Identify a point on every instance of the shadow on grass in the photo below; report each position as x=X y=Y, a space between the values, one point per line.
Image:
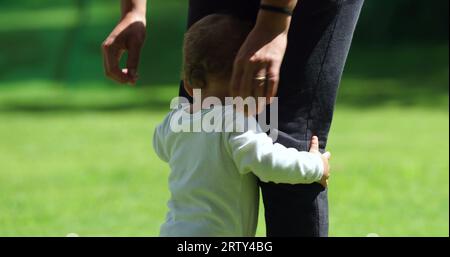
x=47 y=97
x=37 y=108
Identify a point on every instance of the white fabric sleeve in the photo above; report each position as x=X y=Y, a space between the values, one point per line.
x=255 y=152
x=159 y=145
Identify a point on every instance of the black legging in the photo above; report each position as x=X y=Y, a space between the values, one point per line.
x=318 y=43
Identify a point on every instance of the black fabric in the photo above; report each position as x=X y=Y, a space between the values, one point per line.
x=318 y=43
x=277 y=9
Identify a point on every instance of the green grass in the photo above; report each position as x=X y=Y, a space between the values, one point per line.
x=76 y=153
x=77 y=165
x=390 y=172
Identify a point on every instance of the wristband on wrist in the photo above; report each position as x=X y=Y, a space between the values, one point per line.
x=277 y=9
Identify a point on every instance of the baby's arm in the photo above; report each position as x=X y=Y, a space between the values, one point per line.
x=158 y=144
x=255 y=152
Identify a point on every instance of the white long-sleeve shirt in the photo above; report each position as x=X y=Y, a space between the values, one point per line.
x=213 y=179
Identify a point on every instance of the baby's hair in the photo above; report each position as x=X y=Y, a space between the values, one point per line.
x=210 y=47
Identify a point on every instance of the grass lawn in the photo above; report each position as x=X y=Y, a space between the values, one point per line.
x=80 y=161
x=76 y=155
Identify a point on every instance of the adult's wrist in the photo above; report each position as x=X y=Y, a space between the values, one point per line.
x=136 y=8
x=273 y=22
x=288 y=4
x=139 y=11
x=135 y=16
x=276 y=21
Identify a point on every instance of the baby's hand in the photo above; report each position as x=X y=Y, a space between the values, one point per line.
x=325 y=158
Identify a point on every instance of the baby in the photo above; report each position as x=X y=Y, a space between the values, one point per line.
x=214 y=175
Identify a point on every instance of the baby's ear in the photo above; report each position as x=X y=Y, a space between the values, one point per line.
x=188 y=87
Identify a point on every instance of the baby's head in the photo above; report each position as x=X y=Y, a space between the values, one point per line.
x=210 y=47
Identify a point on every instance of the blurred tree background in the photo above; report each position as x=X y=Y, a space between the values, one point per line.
x=75 y=148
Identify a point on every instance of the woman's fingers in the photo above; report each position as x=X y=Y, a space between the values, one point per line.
x=257 y=80
x=258 y=86
x=134 y=45
x=247 y=82
x=134 y=53
x=272 y=81
x=236 y=78
x=128 y=35
x=111 y=58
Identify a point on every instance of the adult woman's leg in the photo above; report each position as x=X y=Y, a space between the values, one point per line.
x=318 y=43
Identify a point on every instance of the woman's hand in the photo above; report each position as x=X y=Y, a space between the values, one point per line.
x=257 y=65
x=128 y=35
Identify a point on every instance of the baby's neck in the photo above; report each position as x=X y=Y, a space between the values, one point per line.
x=208 y=96
x=219 y=90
